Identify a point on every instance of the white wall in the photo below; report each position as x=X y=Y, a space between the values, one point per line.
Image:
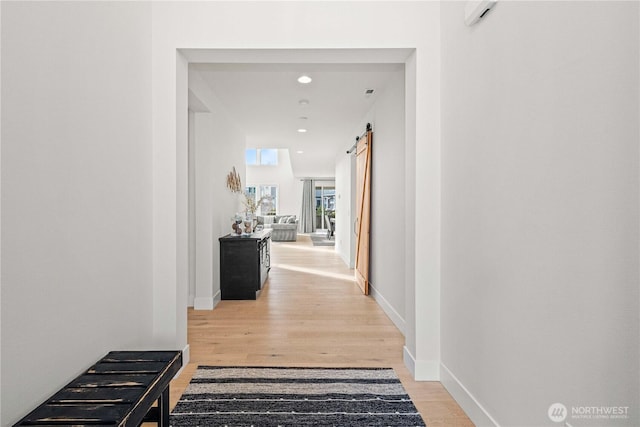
x=76 y=192
x=0 y=223
x=289 y=187
x=411 y=261
x=388 y=199
x=192 y=193
x=218 y=147
x=345 y=237
x=540 y=210
x=204 y=235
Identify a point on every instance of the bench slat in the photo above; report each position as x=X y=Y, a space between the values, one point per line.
x=139 y=356
x=118 y=380
x=127 y=367
x=77 y=414
x=98 y=395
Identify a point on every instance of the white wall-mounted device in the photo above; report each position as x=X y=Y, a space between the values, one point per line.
x=475 y=10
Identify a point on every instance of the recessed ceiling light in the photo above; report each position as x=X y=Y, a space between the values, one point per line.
x=304 y=79
x=303 y=102
x=299 y=151
x=301 y=130
x=303 y=118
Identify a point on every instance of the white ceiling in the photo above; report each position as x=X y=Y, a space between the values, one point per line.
x=264 y=101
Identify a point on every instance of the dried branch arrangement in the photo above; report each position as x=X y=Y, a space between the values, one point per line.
x=251 y=205
x=233 y=181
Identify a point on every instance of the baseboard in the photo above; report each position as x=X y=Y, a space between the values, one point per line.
x=190 y=300
x=387 y=308
x=474 y=410
x=409 y=361
x=186 y=356
x=203 y=303
x=217 y=298
x=422 y=370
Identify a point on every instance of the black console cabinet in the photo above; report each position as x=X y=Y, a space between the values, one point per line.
x=244 y=264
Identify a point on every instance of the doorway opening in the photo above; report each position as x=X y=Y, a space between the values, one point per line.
x=325 y=193
x=397 y=56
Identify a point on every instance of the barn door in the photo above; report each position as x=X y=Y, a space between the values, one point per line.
x=363 y=208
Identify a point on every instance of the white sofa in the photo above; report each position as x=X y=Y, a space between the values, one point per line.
x=284 y=228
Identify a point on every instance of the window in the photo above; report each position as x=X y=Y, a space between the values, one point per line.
x=325 y=204
x=251 y=156
x=251 y=193
x=261 y=156
x=269 y=156
x=269 y=203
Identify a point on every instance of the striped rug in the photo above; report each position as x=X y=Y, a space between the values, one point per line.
x=241 y=396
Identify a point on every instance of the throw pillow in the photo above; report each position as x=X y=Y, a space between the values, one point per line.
x=291 y=219
x=282 y=220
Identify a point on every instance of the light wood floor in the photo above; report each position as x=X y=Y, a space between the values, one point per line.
x=311 y=313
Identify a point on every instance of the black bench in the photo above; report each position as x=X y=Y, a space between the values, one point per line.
x=119 y=390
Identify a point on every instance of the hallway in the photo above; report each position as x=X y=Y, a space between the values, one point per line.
x=310 y=313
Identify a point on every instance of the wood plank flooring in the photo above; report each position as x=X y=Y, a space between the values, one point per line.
x=311 y=313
